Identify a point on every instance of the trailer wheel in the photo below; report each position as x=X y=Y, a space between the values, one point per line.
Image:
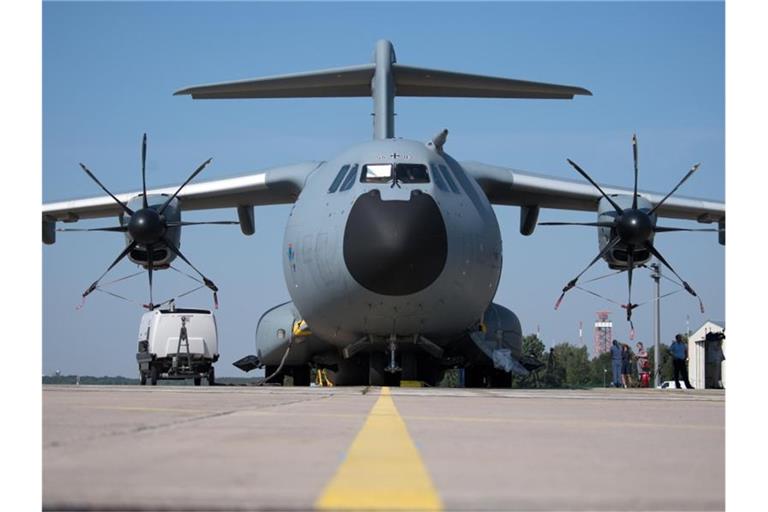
x=154 y=374
x=197 y=380
x=211 y=377
x=143 y=378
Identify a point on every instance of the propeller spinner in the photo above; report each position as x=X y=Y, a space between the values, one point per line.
x=633 y=228
x=147 y=227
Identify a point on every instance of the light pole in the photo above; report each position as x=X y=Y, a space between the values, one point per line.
x=656 y=276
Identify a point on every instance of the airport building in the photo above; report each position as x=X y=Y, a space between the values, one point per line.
x=706 y=356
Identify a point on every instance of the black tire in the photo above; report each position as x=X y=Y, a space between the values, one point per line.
x=211 y=377
x=430 y=371
x=474 y=377
x=302 y=375
x=142 y=378
x=410 y=366
x=197 y=380
x=500 y=379
x=350 y=372
x=277 y=379
x=154 y=374
x=377 y=376
x=377 y=361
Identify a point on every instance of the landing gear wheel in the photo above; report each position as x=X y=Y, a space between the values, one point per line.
x=377 y=361
x=142 y=378
x=377 y=376
x=302 y=375
x=410 y=366
x=500 y=379
x=351 y=372
x=211 y=377
x=474 y=377
x=430 y=371
x=277 y=379
x=197 y=381
x=154 y=374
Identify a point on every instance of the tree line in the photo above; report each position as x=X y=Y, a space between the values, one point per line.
x=569 y=366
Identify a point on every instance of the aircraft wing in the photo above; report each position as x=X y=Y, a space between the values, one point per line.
x=279 y=185
x=508 y=186
x=532 y=191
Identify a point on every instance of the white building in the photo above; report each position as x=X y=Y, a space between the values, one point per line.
x=697 y=354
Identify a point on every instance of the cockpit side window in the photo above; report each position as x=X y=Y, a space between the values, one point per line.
x=350 y=179
x=337 y=179
x=448 y=179
x=438 y=178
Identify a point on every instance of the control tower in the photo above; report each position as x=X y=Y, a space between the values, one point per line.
x=603 y=334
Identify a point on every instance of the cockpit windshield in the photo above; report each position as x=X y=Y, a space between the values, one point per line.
x=400 y=173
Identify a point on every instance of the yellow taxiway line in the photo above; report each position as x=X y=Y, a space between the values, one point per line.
x=383 y=469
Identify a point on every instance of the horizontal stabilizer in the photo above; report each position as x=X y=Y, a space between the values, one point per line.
x=339 y=82
x=411 y=81
x=356 y=81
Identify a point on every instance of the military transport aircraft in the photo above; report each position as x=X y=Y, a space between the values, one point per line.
x=392 y=251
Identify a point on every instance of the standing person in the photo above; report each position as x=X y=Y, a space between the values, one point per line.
x=642 y=365
x=616 y=364
x=626 y=366
x=679 y=351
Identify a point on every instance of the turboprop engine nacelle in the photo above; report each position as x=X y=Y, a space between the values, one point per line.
x=161 y=255
x=618 y=256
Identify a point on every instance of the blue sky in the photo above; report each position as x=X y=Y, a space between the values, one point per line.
x=109 y=70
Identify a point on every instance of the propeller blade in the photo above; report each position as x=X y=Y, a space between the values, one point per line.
x=150 y=268
x=596 y=224
x=634 y=157
x=122 y=255
x=178 y=253
x=661 y=229
x=89 y=173
x=659 y=257
x=610 y=245
x=216 y=222
x=586 y=176
x=143 y=167
x=197 y=171
x=116 y=229
x=688 y=175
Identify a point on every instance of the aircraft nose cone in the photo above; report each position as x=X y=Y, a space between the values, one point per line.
x=395 y=247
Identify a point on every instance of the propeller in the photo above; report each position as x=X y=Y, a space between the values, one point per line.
x=632 y=228
x=147 y=227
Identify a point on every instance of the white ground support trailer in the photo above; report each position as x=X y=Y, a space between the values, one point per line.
x=177 y=344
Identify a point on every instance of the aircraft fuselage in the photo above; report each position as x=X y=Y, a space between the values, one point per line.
x=365 y=254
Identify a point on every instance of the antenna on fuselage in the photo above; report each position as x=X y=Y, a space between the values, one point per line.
x=383 y=79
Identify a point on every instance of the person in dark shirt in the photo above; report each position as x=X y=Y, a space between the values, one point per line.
x=680 y=361
x=626 y=366
x=616 y=364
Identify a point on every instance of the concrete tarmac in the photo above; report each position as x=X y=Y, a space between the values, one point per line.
x=248 y=448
